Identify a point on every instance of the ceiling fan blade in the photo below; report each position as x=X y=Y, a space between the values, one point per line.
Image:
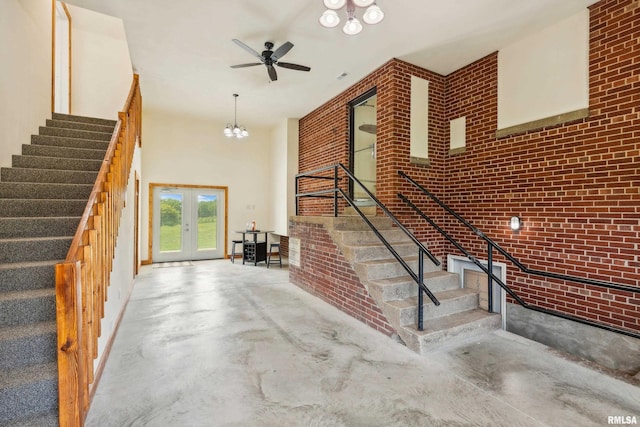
x=246 y=65
x=282 y=51
x=248 y=49
x=293 y=66
x=272 y=73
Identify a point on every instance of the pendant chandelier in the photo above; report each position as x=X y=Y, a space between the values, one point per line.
x=371 y=16
x=235 y=131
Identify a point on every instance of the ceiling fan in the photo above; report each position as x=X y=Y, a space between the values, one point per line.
x=270 y=58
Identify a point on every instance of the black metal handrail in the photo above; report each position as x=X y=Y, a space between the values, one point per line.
x=489 y=268
x=337 y=191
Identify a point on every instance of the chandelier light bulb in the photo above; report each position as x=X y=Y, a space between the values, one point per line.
x=334 y=4
x=329 y=19
x=352 y=27
x=373 y=15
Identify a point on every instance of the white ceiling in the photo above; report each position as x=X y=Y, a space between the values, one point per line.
x=183 y=49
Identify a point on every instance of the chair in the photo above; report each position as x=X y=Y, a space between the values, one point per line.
x=273 y=246
x=233 y=249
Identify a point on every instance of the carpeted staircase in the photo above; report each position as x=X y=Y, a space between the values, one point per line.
x=42 y=198
x=395 y=292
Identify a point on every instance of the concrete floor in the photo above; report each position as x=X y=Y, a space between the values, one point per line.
x=222 y=344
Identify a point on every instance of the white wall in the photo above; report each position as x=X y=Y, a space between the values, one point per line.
x=121 y=282
x=284 y=167
x=545 y=74
x=101 y=64
x=25 y=72
x=193 y=151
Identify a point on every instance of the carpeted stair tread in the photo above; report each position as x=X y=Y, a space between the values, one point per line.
x=50 y=419
x=34 y=248
x=28 y=393
x=41 y=207
x=79 y=126
x=23 y=276
x=30 y=330
x=18 y=227
x=20 y=308
x=59 y=141
x=42 y=190
x=63 y=152
x=73 y=133
x=15 y=377
x=83 y=119
x=47 y=175
x=29 y=344
x=57 y=163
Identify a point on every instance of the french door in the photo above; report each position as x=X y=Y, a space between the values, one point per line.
x=188 y=223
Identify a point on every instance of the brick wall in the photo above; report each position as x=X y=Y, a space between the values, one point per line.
x=576 y=186
x=324 y=139
x=328 y=275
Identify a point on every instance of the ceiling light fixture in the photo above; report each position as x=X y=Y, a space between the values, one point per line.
x=330 y=18
x=235 y=130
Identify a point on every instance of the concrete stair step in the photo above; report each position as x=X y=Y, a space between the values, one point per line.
x=47 y=175
x=25 y=345
x=460 y=325
x=57 y=163
x=32 y=190
x=59 y=141
x=21 y=308
x=24 y=276
x=402 y=287
x=28 y=393
x=353 y=223
x=405 y=312
x=368 y=211
x=63 y=152
x=389 y=268
x=368 y=237
x=41 y=207
x=73 y=133
x=371 y=252
x=93 y=127
x=34 y=249
x=83 y=119
x=38 y=226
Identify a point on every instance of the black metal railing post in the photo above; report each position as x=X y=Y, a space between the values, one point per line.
x=296 y=193
x=335 y=194
x=489 y=278
x=420 y=291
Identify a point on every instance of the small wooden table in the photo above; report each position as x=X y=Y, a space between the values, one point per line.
x=253 y=250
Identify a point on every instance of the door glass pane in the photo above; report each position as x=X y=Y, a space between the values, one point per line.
x=207 y=221
x=364 y=149
x=170 y=222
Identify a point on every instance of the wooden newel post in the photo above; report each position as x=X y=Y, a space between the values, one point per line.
x=72 y=397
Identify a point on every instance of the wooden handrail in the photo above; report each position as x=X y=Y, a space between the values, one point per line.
x=83 y=278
